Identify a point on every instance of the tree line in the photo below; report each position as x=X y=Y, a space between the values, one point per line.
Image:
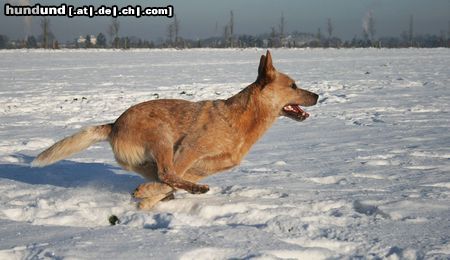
x=276 y=38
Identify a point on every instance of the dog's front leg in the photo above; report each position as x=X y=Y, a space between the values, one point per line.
x=170 y=172
x=179 y=183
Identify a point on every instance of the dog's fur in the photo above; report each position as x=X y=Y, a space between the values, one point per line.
x=175 y=143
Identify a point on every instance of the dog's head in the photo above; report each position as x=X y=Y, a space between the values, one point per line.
x=282 y=91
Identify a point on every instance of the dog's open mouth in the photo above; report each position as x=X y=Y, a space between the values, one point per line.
x=295 y=112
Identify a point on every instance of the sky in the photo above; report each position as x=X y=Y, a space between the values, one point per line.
x=206 y=18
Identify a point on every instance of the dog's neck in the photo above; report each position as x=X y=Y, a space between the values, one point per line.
x=253 y=114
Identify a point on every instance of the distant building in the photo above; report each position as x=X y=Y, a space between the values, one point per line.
x=93 y=40
x=82 y=40
x=297 y=39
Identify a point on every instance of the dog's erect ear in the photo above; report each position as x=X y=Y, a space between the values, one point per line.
x=262 y=62
x=266 y=71
x=268 y=64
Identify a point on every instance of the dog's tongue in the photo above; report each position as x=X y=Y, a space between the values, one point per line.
x=296 y=109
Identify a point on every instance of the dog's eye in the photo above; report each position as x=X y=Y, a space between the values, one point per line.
x=294 y=86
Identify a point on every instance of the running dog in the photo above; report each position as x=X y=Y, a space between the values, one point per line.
x=175 y=143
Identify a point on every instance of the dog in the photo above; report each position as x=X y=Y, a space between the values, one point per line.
x=175 y=143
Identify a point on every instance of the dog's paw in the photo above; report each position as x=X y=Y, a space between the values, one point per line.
x=199 y=189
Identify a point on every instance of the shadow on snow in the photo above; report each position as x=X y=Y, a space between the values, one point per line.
x=70 y=174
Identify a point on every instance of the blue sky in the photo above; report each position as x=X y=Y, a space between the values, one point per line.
x=199 y=18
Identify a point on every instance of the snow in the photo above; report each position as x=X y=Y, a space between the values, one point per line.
x=367 y=175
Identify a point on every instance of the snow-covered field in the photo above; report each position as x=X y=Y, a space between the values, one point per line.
x=366 y=176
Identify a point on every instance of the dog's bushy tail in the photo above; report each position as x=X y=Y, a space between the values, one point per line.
x=72 y=144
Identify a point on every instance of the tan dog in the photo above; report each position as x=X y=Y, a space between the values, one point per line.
x=175 y=143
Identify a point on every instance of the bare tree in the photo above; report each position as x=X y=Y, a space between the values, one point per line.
x=176 y=29
x=216 y=29
x=448 y=30
x=45 y=26
x=231 y=23
x=113 y=31
x=228 y=31
x=411 y=30
x=442 y=39
x=110 y=34
x=231 y=28
x=448 y=35
x=170 y=33
x=273 y=38
x=101 y=40
x=88 y=43
x=319 y=34
x=281 y=27
x=226 y=35
x=173 y=30
x=371 y=26
x=330 y=28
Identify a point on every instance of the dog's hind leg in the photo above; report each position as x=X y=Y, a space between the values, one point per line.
x=150 y=193
x=148 y=203
x=152 y=189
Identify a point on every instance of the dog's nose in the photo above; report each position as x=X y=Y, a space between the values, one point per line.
x=315 y=97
